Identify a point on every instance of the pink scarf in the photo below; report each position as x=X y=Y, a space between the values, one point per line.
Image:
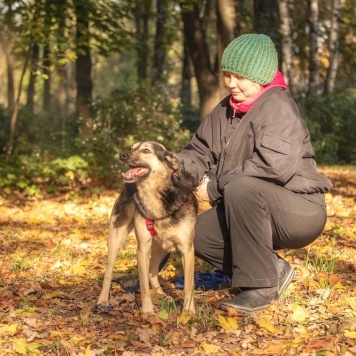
x=244 y=106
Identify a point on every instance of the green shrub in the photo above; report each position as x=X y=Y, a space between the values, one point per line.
x=127 y=116
x=30 y=176
x=56 y=154
x=331 y=121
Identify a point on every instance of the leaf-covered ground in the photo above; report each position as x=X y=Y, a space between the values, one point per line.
x=53 y=252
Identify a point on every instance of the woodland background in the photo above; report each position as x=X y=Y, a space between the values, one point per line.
x=83 y=79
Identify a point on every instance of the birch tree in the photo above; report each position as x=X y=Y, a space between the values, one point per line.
x=313 y=18
x=334 y=47
x=226 y=26
x=287 y=47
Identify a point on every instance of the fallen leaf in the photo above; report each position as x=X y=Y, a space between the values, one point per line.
x=163 y=314
x=154 y=319
x=184 y=318
x=228 y=323
x=267 y=325
x=350 y=334
x=25 y=313
x=138 y=344
x=144 y=336
x=299 y=314
x=24 y=348
x=274 y=347
x=79 y=269
x=9 y=329
x=210 y=348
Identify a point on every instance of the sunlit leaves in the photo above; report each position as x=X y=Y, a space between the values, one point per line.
x=299 y=315
x=53 y=254
x=228 y=323
x=267 y=325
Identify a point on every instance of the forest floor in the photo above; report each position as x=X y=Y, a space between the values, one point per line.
x=53 y=253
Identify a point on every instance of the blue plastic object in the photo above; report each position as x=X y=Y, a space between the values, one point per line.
x=206 y=281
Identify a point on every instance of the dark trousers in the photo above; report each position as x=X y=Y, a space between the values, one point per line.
x=240 y=235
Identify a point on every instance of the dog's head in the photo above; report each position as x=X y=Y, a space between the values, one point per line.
x=145 y=158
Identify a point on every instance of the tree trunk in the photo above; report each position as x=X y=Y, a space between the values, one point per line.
x=226 y=24
x=47 y=80
x=207 y=79
x=266 y=18
x=7 y=44
x=159 y=55
x=83 y=62
x=186 y=88
x=334 y=48
x=33 y=77
x=141 y=22
x=287 y=48
x=226 y=30
x=15 y=113
x=313 y=17
x=61 y=68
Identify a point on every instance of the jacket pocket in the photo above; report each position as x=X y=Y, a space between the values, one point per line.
x=275 y=144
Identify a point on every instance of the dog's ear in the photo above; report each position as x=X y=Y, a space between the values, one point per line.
x=172 y=161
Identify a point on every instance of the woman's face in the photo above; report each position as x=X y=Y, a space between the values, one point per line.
x=241 y=89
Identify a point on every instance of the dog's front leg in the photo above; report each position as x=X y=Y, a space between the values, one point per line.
x=188 y=264
x=157 y=255
x=144 y=243
x=116 y=239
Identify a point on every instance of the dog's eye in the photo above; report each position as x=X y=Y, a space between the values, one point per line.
x=145 y=150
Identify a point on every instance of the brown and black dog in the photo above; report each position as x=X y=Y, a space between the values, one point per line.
x=156 y=191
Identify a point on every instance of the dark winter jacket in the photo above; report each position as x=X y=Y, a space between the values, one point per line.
x=271 y=142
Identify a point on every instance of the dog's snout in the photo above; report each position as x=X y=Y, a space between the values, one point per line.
x=124 y=156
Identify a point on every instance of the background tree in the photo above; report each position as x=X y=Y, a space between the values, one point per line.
x=287 y=50
x=142 y=13
x=195 y=34
x=334 y=47
x=266 y=18
x=78 y=60
x=7 y=38
x=226 y=31
x=33 y=76
x=313 y=18
x=159 y=54
x=186 y=87
x=83 y=61
x=195 y=18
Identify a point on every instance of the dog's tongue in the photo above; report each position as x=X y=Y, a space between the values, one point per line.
x=135 y=172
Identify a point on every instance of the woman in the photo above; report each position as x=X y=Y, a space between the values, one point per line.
x=256 y=164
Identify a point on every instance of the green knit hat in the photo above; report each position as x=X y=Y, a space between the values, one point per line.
x=251 y=56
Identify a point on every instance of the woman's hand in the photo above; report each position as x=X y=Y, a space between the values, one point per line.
x=202 y=191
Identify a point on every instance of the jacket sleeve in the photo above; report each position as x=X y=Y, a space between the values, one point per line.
x=197 y=156
x=278 y=139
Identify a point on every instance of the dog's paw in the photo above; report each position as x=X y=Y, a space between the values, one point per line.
x=190 y=312
x=186 y=316
x=147 y=313
x=102 y=307
x=103 y=303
